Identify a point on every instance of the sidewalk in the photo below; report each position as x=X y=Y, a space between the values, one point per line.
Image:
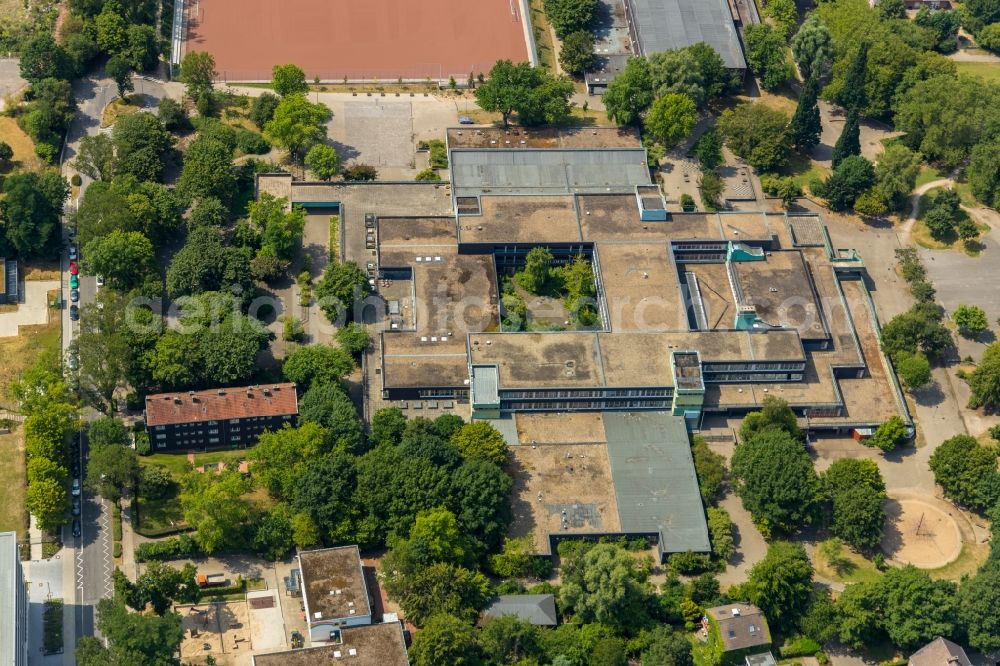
x=129 y=566
x=34 y=538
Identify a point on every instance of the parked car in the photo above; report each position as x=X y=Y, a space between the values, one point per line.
x=74 y=295
x=74 y=468
x=100 y=280
x=76 y=488
x=73 y=268
x=74 y=313
x=72 y=363
x=74 y=282
x=73 y=255
x=464 y=120
x=76 y=507
x=76 y=527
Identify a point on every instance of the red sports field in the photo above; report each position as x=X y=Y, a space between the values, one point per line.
x=359 y=39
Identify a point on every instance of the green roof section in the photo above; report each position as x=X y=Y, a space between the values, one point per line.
x=656 y=486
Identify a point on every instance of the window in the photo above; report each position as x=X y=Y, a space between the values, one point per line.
x=234 y=420
x=213 y=431
x=161 y=435
x=213 y=440
x=160 y=427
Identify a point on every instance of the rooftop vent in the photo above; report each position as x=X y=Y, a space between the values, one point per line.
x=736 y=612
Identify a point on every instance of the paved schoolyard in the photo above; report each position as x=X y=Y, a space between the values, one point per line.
x=34 y=310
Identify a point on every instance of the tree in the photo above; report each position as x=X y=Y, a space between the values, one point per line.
x=47 y=501
x=439 y=587
x=989 y=37
x=213 y=505
x=852 y=177
x=127 y=204
x=297 y=123
x=944 y=116
x=849 y=142
x=112 y=29
x=710 y=468
x=677 y=71
x=967 y=472
x=323 y=161
x=812 y=48
x=896 y=174
x=125 y=259
x=508 y=640
x=667 y=647
x=805 y=129
x=119 y=68
x=890 y=434
x=531 y=92
x=708 y=149
x=980 y=13
x=331 y=407
x=781 y=583
x=133 y=638
x=281 y=457
x=985 y=379
x=568 y=16
x=918 y=329
x=774 y=412
x=278 y=228
x=30 y=211
x=142 y=144
x=42 y=58
x=143 y=48
x=858 y=517
x=343 y=287
x=853 y=96
x=112 y=470
x=317 y=364
x=536 y=272
x=208 y=212
x=40 y=468
x=288 y=80
x=774 y=476
x=208 y=171
x=630 y=94
x=765 y=50
x=387 y=426
x=156 y=482
x=785 y=189
x=943 y=25
x=606 y=584
x=671 y=118
x=198 y=73
x=445 y=639
x=913 y=369
x=943 y=214
x=159 y=586
x=576 y=54
x=96 y=157
x=720 y=527
x=205 y=264
x=480 y=440
x=892 y=9
x=47 y=115
x=262 y=109
x=6 y=152
x=480 y=497
x=978 y=599
x=821 y=620
x=970 y=319
x=757 y=133
x=354 y=338
x=784 y=14
x=916 y=609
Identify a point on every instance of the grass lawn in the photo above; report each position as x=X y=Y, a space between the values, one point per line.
x=990 y=71
x=23 y=147
x=972 y=557
x=20 y=352
x=177 y=463
x=803 y=170
x=922 y=235
x=857 y=569
x=543 y=37
x=928 y=174
x=118 y=108
x=13 y=516
x=160 y=513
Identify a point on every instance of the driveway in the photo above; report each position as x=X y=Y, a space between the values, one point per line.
x=34 y=310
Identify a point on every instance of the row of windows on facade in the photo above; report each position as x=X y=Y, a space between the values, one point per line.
x=201 y=424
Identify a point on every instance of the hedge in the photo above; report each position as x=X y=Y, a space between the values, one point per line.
x=175 y=548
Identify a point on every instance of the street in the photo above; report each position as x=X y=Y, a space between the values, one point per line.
x=81 y=573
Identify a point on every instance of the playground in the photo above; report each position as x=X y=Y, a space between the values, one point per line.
x=334 y=40
x=921 y=533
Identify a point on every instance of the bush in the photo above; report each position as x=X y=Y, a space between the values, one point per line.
x=75 y=180
x=251 y=143
x=428 y=175
x=52 y=640
x=142 y=446
x=799 y=646
x=995 y=432
x=116 y=550
x=175 y=548
x=360 y=172
x=690 y=564
x=116 y=523
x=687 y=202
